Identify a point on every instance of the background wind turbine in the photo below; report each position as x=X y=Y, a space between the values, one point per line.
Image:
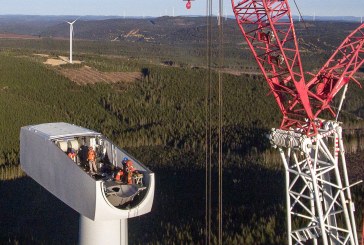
x=71 y=37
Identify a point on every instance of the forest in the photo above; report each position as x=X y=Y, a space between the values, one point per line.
x=160 y=119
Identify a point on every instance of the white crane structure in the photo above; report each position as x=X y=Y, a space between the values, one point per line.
x=103 y=201
x=71 y=38
x=319 y=202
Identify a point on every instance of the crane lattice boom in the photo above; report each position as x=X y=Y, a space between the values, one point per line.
x=338 y=71
x=268 y=29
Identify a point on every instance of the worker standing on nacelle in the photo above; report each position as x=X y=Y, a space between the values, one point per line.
x=72 y=154
x=91 y=158
x=128 y=170
x=119 y=175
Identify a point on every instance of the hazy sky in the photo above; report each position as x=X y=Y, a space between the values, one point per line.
x=162 y=7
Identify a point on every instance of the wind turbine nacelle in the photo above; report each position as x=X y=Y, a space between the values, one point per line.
x=43 y=156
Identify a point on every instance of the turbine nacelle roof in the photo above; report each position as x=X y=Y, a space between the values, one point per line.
x=60 y=130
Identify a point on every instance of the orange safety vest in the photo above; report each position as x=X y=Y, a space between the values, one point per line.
x=71 y=155
x=130 y=179
x=129 y=166
x=91 y=155
x=118 y=175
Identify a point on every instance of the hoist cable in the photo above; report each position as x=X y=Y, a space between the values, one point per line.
x=299 y=12
x=208 y=145
x=220 y=159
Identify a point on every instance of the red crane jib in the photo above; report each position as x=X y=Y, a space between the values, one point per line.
x=269 y=32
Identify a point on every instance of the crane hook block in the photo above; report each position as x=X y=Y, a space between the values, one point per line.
x=188 y=4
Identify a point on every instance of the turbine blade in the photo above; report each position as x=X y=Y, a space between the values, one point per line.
x=75 y=20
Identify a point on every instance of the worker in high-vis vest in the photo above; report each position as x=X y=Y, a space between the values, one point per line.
x=119 y=175
x=129 y=169
x=72 y=154
x=91 y=158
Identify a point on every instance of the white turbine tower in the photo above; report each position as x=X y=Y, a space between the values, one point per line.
x=71 y=37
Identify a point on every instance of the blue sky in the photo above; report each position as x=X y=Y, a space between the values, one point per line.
x=162 y=7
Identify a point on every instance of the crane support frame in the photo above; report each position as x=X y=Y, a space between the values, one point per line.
x=318 y=196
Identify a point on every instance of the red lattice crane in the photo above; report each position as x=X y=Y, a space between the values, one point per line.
x=338 y=71
x=318 y=197
x=268 y=29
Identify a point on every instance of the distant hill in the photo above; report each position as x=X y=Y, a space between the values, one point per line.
x=36 y=24
x=113 y=28
x=179 y=39
x=330 y=18
x=163 y=29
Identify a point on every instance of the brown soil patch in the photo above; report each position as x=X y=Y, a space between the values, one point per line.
x=55 y=62
x=66 y=59
x=87 y=75
x=17 y=36
x=62 y=60
x=42 y=55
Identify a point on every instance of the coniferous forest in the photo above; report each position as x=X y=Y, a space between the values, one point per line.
x=160 y=119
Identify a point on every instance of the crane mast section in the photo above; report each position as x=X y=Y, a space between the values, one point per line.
x=269 y=32
x=338 y=70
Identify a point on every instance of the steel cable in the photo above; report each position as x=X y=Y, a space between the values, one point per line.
x=208 y=145
x=220 y=159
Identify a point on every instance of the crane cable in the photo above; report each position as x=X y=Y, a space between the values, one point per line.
x=220 y=160
x=299 y=12
x=208 y=140
x=208 y=125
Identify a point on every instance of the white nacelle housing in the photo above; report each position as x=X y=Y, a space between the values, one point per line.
x=43 y=156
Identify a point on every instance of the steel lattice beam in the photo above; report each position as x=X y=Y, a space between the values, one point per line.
x=268 y=29
x=319 y=206
x=318 y=200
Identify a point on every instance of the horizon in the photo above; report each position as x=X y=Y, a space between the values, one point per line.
x=156 y=8
x=151 y=16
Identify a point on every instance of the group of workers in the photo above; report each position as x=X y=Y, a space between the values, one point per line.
x=91 y=158
x=124 y=174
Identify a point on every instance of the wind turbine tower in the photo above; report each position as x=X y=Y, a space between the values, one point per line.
x=71 y=37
